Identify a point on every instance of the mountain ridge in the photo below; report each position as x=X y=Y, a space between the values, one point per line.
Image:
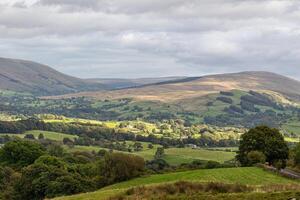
x=200 y=86
x=27 y=76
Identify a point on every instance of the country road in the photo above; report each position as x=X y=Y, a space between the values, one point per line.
x=290 y=173
x=284 y=172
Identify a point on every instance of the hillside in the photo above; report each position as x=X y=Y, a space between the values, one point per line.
x=32 y=77
x=120 y=83
x=202 y=86
x=250 y=176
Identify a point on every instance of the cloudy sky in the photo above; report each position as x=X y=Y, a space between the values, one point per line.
x=147 y=38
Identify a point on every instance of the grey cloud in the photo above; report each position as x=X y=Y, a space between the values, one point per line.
x=134 y=38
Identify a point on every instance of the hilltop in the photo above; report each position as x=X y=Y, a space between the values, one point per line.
x=27 y=76
x=121 y=83
x=192 y=87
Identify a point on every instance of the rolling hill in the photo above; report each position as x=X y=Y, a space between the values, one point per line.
x=250 y=176
x=193 y=87
x=120 y=83
x=26 y=76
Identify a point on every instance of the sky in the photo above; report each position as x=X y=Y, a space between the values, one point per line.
x=153 y=38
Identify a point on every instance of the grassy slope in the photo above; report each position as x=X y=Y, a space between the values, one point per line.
x=47 y=134
x=249 y=176
x=203 y=86
x=233 y=196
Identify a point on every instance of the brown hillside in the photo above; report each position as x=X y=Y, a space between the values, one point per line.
x=27 y=76
x=196 y=87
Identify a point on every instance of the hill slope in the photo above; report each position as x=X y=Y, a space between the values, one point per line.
x=27 y=76
x=249 y=176
x=119 y=83
x=202 y=86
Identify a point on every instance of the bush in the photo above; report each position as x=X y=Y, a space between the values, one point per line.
x=121 y=167
x=157 y=165
x=212 y=164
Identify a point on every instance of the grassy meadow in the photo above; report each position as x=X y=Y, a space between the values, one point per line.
x=248 y=176
x=174 y=156
x=47 y=134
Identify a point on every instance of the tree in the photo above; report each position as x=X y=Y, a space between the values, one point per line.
x=297 y=155
x=41 y=136
x=40 y=180
x=160 y=151
x=255 y=157
x=8 y=180
x=121 y=167
x=29 y=136
x=68 y=141
x=56 y=150
x=157 y=165
x=268 y=141
x=20 y=153
x=138 y=146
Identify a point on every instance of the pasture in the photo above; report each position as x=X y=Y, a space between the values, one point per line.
x=249 y=176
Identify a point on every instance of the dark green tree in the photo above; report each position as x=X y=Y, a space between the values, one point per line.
x=160 y=152
x=297 y=155
x=20 y=153
x=41 y=136
x=263 y=139
x=121 y=167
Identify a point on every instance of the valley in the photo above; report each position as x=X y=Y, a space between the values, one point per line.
x=128 y=134
x=149 y=100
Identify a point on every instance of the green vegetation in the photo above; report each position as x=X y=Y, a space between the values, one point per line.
x=263 y=144
x=173 y=156
x=71 y=146
x=292 y=127
x=187 y=155
x=34 y=170
x=246 y=108
x=248 y=176
x=193 y=190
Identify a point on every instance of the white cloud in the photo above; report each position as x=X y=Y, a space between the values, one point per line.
x=130 y=38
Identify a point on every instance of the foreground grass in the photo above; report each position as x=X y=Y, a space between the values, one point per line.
x=196 y=190
x=232 y=196
x=248 y=176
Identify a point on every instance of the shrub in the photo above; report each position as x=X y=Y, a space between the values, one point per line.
x=121 y=167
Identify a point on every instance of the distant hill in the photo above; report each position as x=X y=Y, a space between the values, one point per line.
x=119 y=83
x=201 y=86
x=39 y=79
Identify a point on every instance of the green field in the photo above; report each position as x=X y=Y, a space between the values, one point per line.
x=292 y=127
x=187 y=155
x=173 y=156
x=47 y=134
x=248 y=176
